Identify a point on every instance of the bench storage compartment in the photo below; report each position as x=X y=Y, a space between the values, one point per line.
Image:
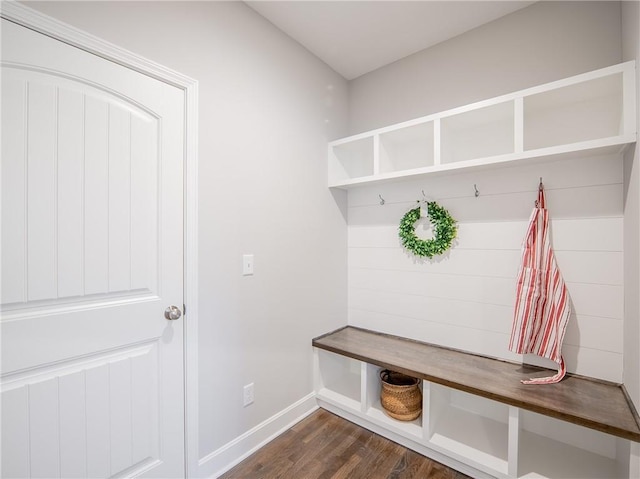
x=477 y=417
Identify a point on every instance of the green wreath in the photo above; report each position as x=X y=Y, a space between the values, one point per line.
x=444 y=229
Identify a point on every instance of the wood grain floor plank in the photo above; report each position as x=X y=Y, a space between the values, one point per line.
x=343 y=456
x=345 y=471
x=411 y=465
x=380 y=455
x=325 y=446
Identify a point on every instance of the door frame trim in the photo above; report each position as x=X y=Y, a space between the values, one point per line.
x=41 y=23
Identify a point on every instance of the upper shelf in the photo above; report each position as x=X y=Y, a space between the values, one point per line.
x=594 y=111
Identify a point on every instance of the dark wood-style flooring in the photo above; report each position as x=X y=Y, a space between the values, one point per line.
x=325 y=446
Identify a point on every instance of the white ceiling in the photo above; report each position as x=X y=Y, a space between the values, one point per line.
x=356 y=37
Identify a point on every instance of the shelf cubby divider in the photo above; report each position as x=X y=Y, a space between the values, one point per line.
x=478 y=133
x=513 y=441
x=374 y=410
x=569 y=450
x=338 y=379
x=351 y=159
x=406 y=148
x=589 y=110
x=469 y=428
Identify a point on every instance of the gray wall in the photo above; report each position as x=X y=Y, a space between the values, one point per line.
x=267 y=110
x=538 y=44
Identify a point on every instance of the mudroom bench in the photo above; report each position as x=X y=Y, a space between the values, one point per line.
x=477 y=415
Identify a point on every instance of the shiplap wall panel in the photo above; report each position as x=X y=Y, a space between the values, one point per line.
x=473 y=340
x=587 y=171
x=598 y=300
x=595 y=363
x=594 y=332
x=464 y=299
x=591 y=234
x=596 y=267
x=581 y=360
x=585 y=331
x=493 y=263
x=474 y=288
x=498 y=208
x=469 y=314
x=13 y=251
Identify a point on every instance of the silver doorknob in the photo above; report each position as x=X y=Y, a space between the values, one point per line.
x=172 y=313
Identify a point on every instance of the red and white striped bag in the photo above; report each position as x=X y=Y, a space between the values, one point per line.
x=542 y=306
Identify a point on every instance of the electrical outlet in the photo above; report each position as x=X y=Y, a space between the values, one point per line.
x=248 y=395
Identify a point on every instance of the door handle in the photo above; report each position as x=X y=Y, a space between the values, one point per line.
x=172 y=313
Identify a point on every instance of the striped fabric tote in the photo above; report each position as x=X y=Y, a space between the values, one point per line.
x=542 y=306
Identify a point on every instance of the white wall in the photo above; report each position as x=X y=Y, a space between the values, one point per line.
x=465 y=299
x=535 y=45
x=631 y=51
x=267 y=109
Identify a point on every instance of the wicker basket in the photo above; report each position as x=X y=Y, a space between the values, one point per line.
x=400 y=395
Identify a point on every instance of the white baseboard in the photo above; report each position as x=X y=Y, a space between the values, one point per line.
x=221 y=460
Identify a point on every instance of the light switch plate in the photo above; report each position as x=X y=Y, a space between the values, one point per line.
x=247 y=264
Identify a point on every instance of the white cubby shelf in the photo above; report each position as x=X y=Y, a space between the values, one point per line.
x=591 y=113
x=477 y=417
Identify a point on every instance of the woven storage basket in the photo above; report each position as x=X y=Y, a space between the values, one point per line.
x=400 y=395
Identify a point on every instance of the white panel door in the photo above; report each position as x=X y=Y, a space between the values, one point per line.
x=92 y=253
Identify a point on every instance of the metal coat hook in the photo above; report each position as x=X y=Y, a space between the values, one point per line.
x=477 y=193
x=381 y=199
x=540 y=188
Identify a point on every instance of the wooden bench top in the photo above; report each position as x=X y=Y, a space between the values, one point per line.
x=587 y=402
